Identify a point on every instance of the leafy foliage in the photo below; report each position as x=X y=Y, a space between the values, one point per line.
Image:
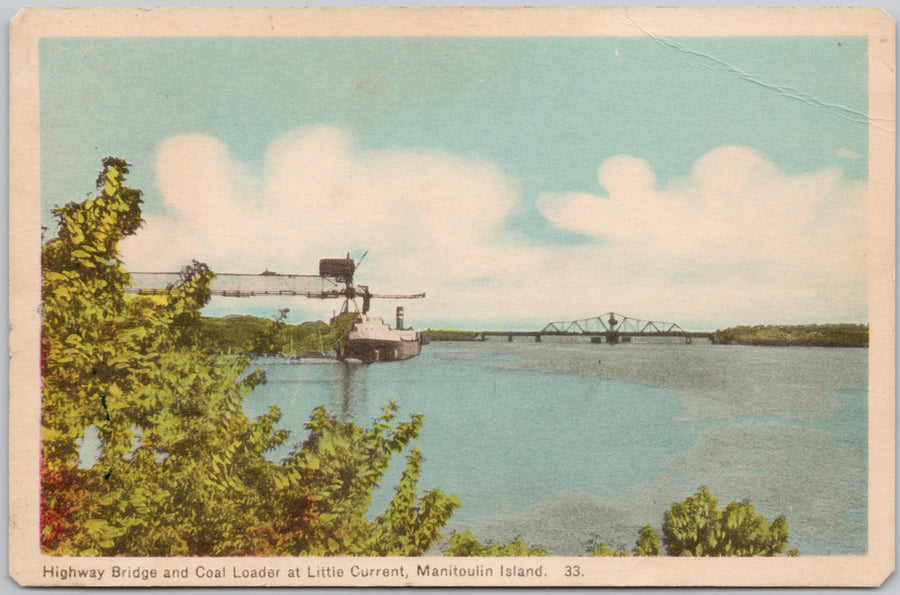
x=465 y=544
x=692 y=526
x=604 y=550
x=647 y=543
x=696 y=527
x=326 y=487
x=181 y=468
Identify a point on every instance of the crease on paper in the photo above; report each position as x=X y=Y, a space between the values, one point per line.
x=712 y=62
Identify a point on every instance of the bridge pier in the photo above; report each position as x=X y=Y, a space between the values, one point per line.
x=537 y=338
x=509 y=339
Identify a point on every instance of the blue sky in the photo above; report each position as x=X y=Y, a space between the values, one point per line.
x=529 y=126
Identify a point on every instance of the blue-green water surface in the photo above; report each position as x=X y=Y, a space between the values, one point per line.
x=560 y=443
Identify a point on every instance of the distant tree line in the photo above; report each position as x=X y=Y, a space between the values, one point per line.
x=254 y=335
x=810 y=335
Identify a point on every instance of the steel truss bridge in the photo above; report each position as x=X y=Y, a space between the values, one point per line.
x=610 y=327
x=612 y=322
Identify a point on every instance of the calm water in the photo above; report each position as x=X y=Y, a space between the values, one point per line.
x=543 y=442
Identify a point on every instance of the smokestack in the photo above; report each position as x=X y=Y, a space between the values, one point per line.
x=399 y=318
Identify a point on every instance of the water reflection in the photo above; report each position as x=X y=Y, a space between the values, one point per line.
x=348 y=389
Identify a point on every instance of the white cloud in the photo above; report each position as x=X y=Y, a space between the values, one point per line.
x=735 y=229
x=734 y=241
x=427 y=218
x=848 y=154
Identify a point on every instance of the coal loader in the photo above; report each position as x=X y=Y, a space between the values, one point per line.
x=369 y=339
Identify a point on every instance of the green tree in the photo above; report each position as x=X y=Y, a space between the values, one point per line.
x=465 y=544
x=691 y=527
x=745 y=533
x=326 y=488
x=174 y=438
x=696 y=527
x=181 y=469
x=647 y=543
x=604 y=550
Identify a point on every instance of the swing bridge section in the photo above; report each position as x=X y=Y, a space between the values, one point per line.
x=607 y=328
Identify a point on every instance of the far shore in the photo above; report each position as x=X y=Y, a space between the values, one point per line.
x=811 y=335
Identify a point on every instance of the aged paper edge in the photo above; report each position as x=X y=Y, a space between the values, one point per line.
x=28 y=566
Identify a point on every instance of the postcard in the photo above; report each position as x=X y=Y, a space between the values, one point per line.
x=452 y=297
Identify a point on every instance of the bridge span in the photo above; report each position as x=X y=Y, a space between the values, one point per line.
x=599 y=337
x=606 y=328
